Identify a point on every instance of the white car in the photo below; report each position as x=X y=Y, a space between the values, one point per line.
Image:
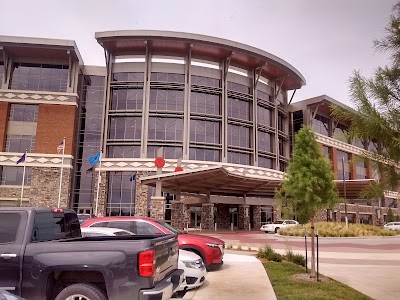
x=102 y=231
x=274 y=227
x=194 y=270
x=392 y=226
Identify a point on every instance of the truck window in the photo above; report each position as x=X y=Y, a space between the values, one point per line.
x=9 y=223
x=50 y=226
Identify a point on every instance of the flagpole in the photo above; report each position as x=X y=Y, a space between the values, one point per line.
x=98 y=185
x=23 y=175
x=61 y=175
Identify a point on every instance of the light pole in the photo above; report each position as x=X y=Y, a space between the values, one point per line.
x=344 y=192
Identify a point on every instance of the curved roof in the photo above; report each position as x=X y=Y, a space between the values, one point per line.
x=128 y=42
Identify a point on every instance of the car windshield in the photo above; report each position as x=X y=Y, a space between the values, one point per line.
x=169 y=227
x=278 y=222
x=83 y=217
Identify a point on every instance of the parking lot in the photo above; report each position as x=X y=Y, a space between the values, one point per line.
x=241 y=277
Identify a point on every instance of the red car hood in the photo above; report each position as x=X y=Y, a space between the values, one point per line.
x=188 y=238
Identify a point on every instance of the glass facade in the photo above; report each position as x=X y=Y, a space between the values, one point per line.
x=39 y=77
x=19 y=143
x=1 y=73
x=10 y=175
x=121 y=194
x=321 y=125
x=23 y=112
x=343 y=157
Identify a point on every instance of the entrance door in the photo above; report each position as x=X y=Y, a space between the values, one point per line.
x=234 y=217
x=195 y=217
x=266 y=214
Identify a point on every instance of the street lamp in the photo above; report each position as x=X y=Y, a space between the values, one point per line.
x=344 y=192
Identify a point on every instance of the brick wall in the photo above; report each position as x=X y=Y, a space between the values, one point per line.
x=54 y=123
x=157 y=208
x=180 y=215
x=4 y=107
x=256 y=216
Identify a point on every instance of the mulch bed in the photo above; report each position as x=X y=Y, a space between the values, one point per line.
x=306 y=277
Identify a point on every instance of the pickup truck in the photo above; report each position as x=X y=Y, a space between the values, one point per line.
x=43 y=256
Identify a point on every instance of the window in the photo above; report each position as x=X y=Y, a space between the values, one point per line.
x=265 y=162
x=321 y=125
x=1 y=73
x=165 y=129
x=239 y=136
x=49 y=226
x=237 y=87
x=343 y=156
x=281 y=147
x=203 y=103
x=127 y=99
x=125 y=225
x=204 y=154
x=39 y=77
x=263 y=96
x=327 y=152
x=167 y=77
x=23 y=113
x=170 y=152
x=128 y=76
x=265 y=141
x=361 y=168
x=13 y=175
x=281 y=123
x=9 y=223
x=264 y=116
x=340 y=133
x=121 y=194
x=125 y=128
x=205 y=81
x=145 y=228
x=238 y=109
x=163 y=99
x=123 y=151
x=20 y=143
x=239 y=158
x=205 y=131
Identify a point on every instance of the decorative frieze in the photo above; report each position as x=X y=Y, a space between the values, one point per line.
x=36 y=160
x=36 y=97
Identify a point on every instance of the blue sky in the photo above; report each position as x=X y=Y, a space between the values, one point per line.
x=325 y=40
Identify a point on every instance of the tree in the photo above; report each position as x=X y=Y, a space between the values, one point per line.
x=376 y=117
x=389 y=216
x=309 y=183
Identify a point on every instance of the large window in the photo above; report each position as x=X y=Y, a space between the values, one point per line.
x=1 y=73
x=281 y=123
x=170 y=152
x=165 y=129
x=238 y=109
x=264 y=96
x=115 y=151
x=128 y=76
x=125 y=128
x=121 y=193
x=205 y=81
x=203 y=103
x=239 y=136
x=204 y=131
x=343 y=158
x=265 y=141
x=39 y=77
x=327 y=152
x=13 y=175
x=167 y=77
x=265 y=162
x=321 y=125
x=361 y=168
x=127 y=99
x=204 y=154
x=340 y=132
x=24 y=112
x=20 y=143
x=281 y=147
x=264 y=116
x=239 y=158
x=163 y=99
x=237 y=87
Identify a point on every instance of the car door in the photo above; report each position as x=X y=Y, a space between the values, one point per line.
x=11 y=239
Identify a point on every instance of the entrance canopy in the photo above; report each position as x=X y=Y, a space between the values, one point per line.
x=217 y=180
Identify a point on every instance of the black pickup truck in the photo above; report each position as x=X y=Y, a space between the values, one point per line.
x=43 y=256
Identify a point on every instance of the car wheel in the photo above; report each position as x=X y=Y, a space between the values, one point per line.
x=81 y=292
x=276 y=230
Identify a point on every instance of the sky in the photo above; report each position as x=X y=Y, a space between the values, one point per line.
x=325 y=40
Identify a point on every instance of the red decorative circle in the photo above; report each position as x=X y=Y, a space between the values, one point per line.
x=178 y=169
x=159 y=162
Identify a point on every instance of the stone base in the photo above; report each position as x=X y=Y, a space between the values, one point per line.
x=244 y=217
x=157 y=208
x=207 y=216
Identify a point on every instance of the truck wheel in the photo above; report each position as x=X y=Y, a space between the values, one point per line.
x=81 y=291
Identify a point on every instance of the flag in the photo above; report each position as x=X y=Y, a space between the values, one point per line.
x=94 y=159
x=60 y=147
x=22 y=159
x=90 y=170
x=132 y=178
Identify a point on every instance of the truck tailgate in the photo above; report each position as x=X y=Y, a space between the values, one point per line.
x=166 y=256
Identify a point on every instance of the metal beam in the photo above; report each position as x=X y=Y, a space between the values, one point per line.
x=291 y=98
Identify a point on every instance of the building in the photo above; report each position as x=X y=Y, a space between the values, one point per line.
x=220 y=110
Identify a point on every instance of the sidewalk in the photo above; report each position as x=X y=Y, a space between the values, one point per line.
x=241 y=277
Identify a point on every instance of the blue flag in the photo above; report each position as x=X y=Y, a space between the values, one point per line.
x=132 y=178
x=22 y=159
x=94 y=159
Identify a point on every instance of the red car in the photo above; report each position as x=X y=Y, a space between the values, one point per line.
x=210 y=249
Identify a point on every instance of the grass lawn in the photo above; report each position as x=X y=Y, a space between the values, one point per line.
x=287 y=288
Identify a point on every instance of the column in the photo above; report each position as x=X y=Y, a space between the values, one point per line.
x=256 y=216
x=223 y=218
x=277 y=213
x=180 y=215
x=207 y=216
x=141 y=197
x=244 y=217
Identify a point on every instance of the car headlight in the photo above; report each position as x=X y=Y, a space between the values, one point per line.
x=198 y=264
x=212 y=245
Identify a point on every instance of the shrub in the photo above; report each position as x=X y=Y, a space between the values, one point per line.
x=270 y=254
x=297 y=259
x=229 y=246
x=239 y=247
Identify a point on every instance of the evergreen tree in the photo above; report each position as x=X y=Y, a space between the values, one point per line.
x=389 y=216
x=376 y=116
x=309 y=183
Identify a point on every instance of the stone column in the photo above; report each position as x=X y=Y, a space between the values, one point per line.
x=102 y=204
x=256 y=216
x=223 y=217
x=142 y=191
x=157 y=208
x=244 y=217
x=277 y=213
x=207 y=216
x=180 y=215
x=357 y=214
